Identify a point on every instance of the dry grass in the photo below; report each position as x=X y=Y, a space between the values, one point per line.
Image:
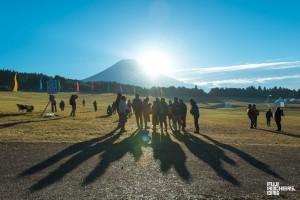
x=230 y=126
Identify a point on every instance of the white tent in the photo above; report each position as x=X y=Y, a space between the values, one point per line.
x=228 y=105
x=280 y=103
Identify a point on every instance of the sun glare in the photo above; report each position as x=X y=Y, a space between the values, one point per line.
x=155 y=63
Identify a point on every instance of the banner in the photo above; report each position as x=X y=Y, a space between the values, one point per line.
x=41 y=85
x=92 y=87
x=77 y=87
x=16 y=84
x=59 y=87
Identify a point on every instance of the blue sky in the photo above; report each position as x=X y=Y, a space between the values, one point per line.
x=225 y=43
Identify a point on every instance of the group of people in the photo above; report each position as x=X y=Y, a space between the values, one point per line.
x=175 y=111
x=253 y=113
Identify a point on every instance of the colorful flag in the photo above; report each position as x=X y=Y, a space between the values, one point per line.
x=59 y=87
x=41 y=84
x=16 y=84
x=77 y=87
x=92 y=87
x=107 y=87
x=121 y=91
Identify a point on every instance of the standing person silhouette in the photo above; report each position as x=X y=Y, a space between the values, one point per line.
x=137 y=106
x=95 y=106
x=183 y=113
x=73 y=104
x=117 y=104
x=195 y=112
x=53 y=103
x=278 y=115
x=269 y=115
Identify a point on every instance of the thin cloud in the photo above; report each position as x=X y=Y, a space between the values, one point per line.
x=268 y=65
x=217 y=83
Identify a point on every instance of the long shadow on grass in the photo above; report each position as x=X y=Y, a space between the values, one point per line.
x=84 y=151
x=246 y=157
x=280 y=132
x=208 y=153
x=170 y=154
x=7 y=125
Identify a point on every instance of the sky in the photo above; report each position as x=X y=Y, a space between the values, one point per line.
x=211 y=43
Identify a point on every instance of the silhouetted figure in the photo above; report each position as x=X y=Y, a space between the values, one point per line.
x=195 y=112
x=53 y=103
x=255 y=115
x=176 y=118
x=83 y=102
x=113 y=106
x=109 y=110
x=170 y=112
x=154 y=109
x=137 y=106
x=129 y=105
x=117 y=106
x=183 y=113
x=269 y=115
x=146 y=112
x=277 y=116
x=123 y=112
x=62 y=105
x=73 y=104
x=163 y=113
x=95 y=106
x=251 y=113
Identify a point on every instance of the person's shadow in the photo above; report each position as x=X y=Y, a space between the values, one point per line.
x=170 y=154
x=83 y=151
x=208 y=153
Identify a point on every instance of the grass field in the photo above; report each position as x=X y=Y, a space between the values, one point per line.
x=225 y=125
x=84 y=157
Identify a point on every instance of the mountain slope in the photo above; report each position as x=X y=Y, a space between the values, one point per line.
x=131 y=72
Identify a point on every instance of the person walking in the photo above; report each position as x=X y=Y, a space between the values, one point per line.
x=95 y=106
x=195 y=112
x=73 y=104
x=176 y=118
x=163 y=113
x=183 y=113
x=269 y=115
x=123 y=111
x=278 y=115
x=137 y=106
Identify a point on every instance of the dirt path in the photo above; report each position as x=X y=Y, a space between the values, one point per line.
x=172 y=166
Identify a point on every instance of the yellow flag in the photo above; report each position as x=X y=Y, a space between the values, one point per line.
x=16 y=84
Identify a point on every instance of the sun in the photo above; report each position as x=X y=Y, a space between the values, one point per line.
x=155 y=63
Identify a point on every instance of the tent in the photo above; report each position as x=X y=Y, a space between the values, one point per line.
x=228 y=105
x=280 y=103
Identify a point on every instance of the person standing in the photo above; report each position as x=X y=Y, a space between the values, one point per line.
x=137 y=106
x=163 y=113
x=117 y=104
x=95 y=106
x=73 y=104
x=250 y=113
x=183 y=113
x=278 y=115
x=176 y=118
x=155 y=107
x=255 y=115
x=123 y=111
x=62 y=105
x=269 y=115
x=53 y=103
x=129 y=104
x=83 y=102
x=170 y=116
x=146 y=111
x=195 y=112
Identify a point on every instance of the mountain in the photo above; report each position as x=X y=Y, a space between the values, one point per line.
x=131 y=72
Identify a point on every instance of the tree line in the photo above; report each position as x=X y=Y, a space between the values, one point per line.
x=31 y=82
